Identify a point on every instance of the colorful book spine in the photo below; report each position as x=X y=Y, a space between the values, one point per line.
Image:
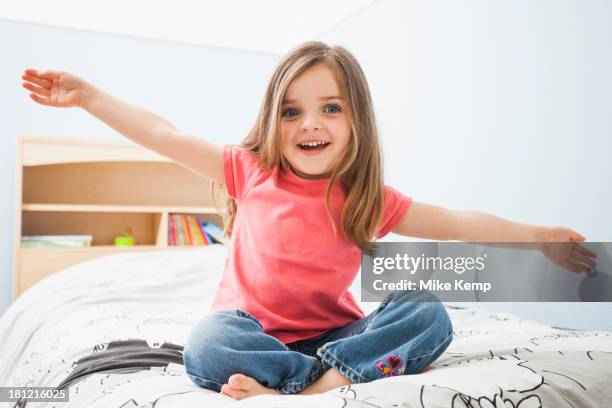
x=195 y=231
x=171 y=237
x=188 y=239
x=180 y=233
x=174 y=230
x=192 y=233
x=210 y=239
x=215 y=232
x=202 y=233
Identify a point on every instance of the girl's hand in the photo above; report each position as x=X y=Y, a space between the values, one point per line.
x=562 y=246
x=57 y=88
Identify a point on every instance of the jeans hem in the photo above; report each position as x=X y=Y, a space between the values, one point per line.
x=289 y=388
x=205 y=383
x=443 y=344
x=329 y=359
x=294 y=388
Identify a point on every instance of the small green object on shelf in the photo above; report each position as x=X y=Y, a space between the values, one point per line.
x=126 y=239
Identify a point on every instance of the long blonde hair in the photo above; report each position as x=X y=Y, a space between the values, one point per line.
x=359 y=172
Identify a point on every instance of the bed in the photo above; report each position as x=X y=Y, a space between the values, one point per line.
x=112 y=329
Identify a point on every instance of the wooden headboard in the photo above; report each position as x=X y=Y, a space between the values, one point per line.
x=97 y=187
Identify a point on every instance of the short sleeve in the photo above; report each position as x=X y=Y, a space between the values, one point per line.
x=240 y=168
x=396 y=206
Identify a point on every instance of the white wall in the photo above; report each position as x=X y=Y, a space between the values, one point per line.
x=503 y=107
x=497 y=106
x=211 y=92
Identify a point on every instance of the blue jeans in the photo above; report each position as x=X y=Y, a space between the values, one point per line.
x=408 y=331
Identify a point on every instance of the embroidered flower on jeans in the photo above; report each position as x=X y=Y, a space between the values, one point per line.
x=393 y=368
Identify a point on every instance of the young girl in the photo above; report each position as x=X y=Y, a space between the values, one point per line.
x=306 y=197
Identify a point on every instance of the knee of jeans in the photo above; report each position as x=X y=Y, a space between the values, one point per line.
x=438 y=317
x=205 y=352
x=430 y=309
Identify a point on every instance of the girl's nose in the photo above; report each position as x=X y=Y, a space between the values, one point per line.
x=310 y=124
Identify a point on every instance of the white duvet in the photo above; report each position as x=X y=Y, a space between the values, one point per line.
x=495 y=360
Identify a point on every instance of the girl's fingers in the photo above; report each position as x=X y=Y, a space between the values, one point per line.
x=584 y=259
x=31 y=71
x=48 y=74
x=38 y=99
x=36 y=89
x=575 y=266
x=38 y=81
x=576 y=236
x=586 y=251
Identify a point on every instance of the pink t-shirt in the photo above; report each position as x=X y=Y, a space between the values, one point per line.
x=285 y=266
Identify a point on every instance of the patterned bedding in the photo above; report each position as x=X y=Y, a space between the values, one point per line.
x=112 y=330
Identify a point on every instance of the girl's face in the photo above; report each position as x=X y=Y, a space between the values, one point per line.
x=313 y=113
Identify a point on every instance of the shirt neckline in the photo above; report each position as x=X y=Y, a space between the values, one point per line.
x=290 y=175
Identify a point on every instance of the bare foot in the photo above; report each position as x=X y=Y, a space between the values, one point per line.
x=426 y=369
x=240 y=386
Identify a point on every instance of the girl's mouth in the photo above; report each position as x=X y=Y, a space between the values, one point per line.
x=313 y=147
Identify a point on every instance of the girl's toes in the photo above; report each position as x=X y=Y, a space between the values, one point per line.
x=231 y=392
x=240 y=381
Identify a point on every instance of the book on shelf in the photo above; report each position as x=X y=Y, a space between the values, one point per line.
x=56 y=241
x=192 y=230
x=215 y=232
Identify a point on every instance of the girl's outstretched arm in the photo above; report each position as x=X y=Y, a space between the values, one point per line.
x=441 y=224
x=62 y=89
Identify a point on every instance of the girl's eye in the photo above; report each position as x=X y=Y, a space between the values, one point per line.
x=290 y=112
x=336 y=107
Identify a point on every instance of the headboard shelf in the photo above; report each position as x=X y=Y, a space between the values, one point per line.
x=98 y=188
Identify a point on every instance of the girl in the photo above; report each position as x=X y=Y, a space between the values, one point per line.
x=306 y=197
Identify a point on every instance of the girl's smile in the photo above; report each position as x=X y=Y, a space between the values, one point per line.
x=313 y=147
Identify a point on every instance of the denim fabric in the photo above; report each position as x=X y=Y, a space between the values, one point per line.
x=408 y=331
